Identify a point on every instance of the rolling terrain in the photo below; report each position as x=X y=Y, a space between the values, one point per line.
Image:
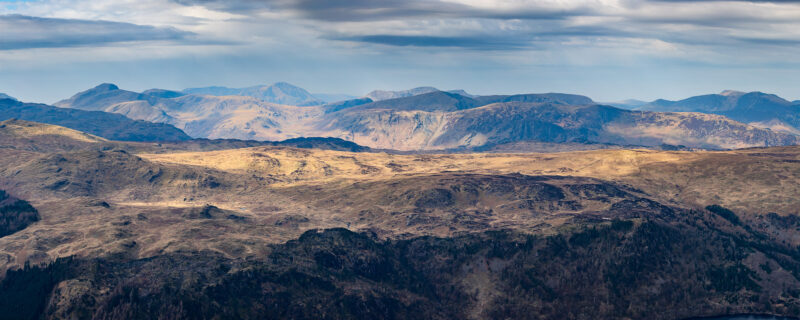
x=238 y=230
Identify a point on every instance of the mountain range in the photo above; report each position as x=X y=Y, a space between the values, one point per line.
x=280 y=93
x=5 y=96
x=755 y=108
x=429 y=119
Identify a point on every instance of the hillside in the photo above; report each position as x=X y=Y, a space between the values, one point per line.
x=15 y=214
x=466 y=235
x=5 y=96
x=448 y=101
x=33 y=136
x=107 y=125
x=501 y=123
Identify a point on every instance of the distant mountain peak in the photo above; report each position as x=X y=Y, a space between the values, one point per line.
x=626 y=104
x=163 y=93
x=5 y=96
x=279 y=92
x=282 y=84
x=731 y=93
x=377 y=95
x=105 y=87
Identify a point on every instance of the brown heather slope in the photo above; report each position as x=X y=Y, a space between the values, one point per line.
x=512 y=232
x=750 y=180
x=34 y=136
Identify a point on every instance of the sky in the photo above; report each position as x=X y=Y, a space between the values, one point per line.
x=608 y=50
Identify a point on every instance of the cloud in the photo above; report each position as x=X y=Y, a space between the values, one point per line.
x=376 y=10
x=466 y=42
x=754 y=1
x=517 y=24
x=523 y=39
x=26 y=32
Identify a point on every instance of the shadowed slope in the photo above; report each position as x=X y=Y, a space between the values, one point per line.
x=103 y=124
x=757 y=108
x=15 y=214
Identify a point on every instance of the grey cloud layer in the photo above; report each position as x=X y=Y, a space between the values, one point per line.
x=24 y=32
x=534 y=23
x=372 y=10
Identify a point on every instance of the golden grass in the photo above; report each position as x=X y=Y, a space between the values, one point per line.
x=295 y=165
x=753 y=180
x=31 y=130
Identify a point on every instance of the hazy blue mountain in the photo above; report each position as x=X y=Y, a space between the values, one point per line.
x=462 y=92
x=5 y=96
x=756 y=108
x=102 y=96
x=340 y=105
x=447 y=101
x=432 y=101
x=443 y=120
x=213 y=91
x=161 y=93
x=630 y=104
x=452 y=122
x=378 y=95
x=559 y=98
x=333 y=97
x=103 y=124
x=280 y=93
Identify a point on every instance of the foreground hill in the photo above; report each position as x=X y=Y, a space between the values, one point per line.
x=755 y=108
x=282 y=232
x=438 y=121
x=103 y=124
x=33 y=136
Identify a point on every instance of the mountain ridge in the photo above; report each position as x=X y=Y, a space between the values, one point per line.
x=279 y=93
x=107 y=125
x=5 y=96
x=439 y=120
x=757 y=108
